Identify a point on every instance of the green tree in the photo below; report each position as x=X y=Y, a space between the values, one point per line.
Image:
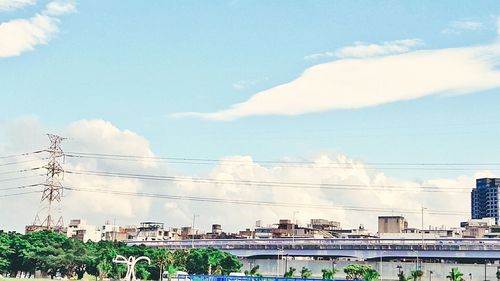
x=290 y=273
x=356 y=271
x=73 y=261
x=5 y=252
x=171 y=270
x=99 y=261
x=53 y=253
x=371 y=275
x=229 y=263
x=204 y=261
x=104 y=268
x=305 y=273
x=214 y=258
x=455 y=275
x=180 y=258
x=46 y=251
x=22 y=256
x=197 y=262
x=161 y=258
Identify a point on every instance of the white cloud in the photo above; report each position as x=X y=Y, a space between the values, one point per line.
x=363 y=50
x=243 y=84
x=83 y=136
x=367 y=196
x=9 y=5
x=357 y=83
x=56 y=8
x=457 y=27
x=468 y=25
x=21 y=35
x=99 y=136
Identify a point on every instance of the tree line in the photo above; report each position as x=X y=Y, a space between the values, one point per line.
x=54 y=254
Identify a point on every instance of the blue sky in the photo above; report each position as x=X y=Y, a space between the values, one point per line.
x=138 y=64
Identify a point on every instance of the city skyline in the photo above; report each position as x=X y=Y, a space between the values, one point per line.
x=397 y=116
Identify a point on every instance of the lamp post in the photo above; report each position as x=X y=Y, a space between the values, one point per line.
x=286 y=261
x=485 y=263
x=280 y=251
x=293 y=228
x=416 y=262
x=381 y=263
x=192 y=231
x=422 y=230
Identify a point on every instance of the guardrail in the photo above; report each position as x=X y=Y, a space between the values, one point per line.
x=331 y=244
x=245 y=278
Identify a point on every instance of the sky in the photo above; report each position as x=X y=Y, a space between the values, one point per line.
x=320 y=92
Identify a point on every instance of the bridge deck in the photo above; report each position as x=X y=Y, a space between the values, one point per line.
x=361 y=248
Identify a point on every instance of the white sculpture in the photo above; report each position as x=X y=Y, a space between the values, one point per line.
x=130 y=276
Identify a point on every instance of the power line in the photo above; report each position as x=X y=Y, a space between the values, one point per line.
x=21 y=186
x=300 y=185
x=288 y=164
x=22 y=162
x=20 y=193
x=19 y=178
x=22 y=154
x=118 y=156
x=259 y=203
x=20 y=171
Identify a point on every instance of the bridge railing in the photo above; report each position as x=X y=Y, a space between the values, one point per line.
x=329 y=243
x=244 y=278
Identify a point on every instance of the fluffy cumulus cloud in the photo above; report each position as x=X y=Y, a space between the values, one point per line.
x=363 y=82
x=363 y=50
x=98 y=136
x=56 y=8
x=9 y=5
x=95 y=136
x=364 y=188
x=21 y=35
x=318 y=189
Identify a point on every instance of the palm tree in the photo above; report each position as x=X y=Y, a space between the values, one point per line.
x=455 y=275
x=171 y=270
x=290 y=272
x=329 y=274
x=253 y=271
x=161 y=258
x=305 y=273
x=417 y=274
x=402 y=277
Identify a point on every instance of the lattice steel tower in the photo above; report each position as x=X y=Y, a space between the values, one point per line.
x=53 y=189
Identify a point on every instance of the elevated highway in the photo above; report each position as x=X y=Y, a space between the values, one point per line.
x=336 y=247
